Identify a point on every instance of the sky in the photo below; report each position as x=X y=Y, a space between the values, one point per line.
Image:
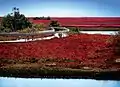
x=62 y=8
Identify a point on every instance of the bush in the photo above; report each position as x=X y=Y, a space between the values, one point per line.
x=3 y=29
x=26 y=30
x=74 y=30
x=15 y=21
x=39 y=27
x=54 y=24
x=33 y=60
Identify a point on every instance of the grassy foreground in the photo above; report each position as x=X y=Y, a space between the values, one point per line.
x=76 y=56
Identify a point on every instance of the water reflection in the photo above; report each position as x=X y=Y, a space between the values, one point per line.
x=22 y=82
x=100 y=32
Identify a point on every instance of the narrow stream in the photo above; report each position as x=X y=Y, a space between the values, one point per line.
x=100 y=32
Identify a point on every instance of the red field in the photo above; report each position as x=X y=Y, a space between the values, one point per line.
x=87 y=50
x=83 y=21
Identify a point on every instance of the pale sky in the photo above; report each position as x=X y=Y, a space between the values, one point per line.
x=63 y=8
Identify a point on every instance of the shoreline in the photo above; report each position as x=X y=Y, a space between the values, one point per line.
x=55 y=72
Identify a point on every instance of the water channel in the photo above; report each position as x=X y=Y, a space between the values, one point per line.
x=38 y=82
x=100 y=32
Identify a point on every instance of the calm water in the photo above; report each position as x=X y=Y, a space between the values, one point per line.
x=22 y=82
x=100 y=32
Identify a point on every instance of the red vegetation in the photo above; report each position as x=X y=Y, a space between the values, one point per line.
x=83 y=21
x=88 y=50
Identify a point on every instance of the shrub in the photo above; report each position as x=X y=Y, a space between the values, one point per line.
x=33 y=60
x=15 y=21
x=54 y=24
x=38 y=27
x=74 y=30
x=26 y=30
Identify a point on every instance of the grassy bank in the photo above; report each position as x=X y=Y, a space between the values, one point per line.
x=52 y=68
x=36 y=71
